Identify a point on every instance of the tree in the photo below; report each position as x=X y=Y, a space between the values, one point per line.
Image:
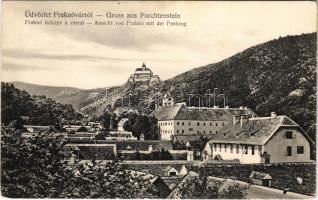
x=46 y=174
x=106 y=121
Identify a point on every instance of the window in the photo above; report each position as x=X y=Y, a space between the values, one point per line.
x=177 y=123
x=216 y=131
x=222 y=124
x=225 y=147
x=289 y=151
x=177 y=131
x=300 y=149
x=237 y=148
x=216 y=124
x=210 y=124
x=198 y=124
x=245 y=149
x=190 y=129
x=189 y=123
x=182 y=131
x=252 y=150
x=210 y=132
x=214 y=147
x=231 y=147
x=204 y=124
x=182 y=123
x=198 y=132
x=289 y=134
x=203 y=132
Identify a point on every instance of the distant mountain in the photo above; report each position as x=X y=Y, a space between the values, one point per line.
x=65 y=95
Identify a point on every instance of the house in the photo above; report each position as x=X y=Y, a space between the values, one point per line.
x=273 y=139
x=260 y=178
x=172 y=171
x=120 y=135
x=178 y=119
x=156 y=181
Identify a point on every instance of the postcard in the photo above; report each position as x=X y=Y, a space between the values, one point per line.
x=158 y=99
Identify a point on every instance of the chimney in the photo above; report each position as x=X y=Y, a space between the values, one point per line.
x=236 y=119
x=244 y=119
x=273 y=114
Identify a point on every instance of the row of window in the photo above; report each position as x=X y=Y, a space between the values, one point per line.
x=198 y=132
x=219 y=147
x=300 y=150
x=182 y=131
x=182 y=123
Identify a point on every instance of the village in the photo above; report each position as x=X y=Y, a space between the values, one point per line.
x=232 y=146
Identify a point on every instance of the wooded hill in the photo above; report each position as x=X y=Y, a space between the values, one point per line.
x=279 y=76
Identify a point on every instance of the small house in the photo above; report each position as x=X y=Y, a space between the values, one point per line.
x=260 y=178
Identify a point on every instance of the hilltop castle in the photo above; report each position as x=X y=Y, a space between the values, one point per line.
x=143 y=76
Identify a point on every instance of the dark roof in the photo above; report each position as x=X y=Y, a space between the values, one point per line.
x=191 y=138
x=138 y=144
x=182 y=112
x=93 y=151
x=255 y=131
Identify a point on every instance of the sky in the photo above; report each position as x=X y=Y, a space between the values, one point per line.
x=92 y=56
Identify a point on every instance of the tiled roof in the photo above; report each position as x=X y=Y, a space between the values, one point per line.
x=255 y=131
x=182 y=112
x=138 y=144
x=166 y=113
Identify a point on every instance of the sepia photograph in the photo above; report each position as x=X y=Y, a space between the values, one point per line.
x=158 y=99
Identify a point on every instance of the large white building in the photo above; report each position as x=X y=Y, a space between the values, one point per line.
x=273 y=139
x=178 y=119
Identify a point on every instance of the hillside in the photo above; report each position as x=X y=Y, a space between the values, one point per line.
x=279 y=75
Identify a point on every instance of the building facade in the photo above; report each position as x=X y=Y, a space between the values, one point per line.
x=274 y=139
x=178 y=119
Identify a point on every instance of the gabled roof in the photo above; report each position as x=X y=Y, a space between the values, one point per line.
x=182 y=112
x=166 y=113
x=255 y=131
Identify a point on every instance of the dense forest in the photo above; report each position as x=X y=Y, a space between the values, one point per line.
x=39 y=109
